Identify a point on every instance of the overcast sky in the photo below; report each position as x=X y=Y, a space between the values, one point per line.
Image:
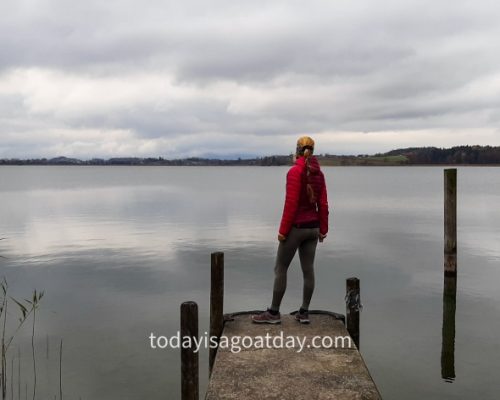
x=183 y=78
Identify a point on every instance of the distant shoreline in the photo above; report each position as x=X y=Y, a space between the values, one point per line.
x=412 y=156
x=263 y=166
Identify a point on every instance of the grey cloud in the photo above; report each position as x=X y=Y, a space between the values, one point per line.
x=308 y=67
x=191 y=120
x=311 y=38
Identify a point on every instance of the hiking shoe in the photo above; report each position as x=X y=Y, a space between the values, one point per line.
x=302 y=317
x=266 y=318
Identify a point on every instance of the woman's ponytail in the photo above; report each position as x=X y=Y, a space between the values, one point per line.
x=310 y=191
x=307 y=154
x=305 y=147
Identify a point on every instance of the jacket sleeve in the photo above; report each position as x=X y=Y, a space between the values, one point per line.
x=293 y=186
x=323 y=208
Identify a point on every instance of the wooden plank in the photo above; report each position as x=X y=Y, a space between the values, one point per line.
x=285 y=373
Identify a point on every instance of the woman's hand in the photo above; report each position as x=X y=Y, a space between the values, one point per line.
x=281 y=237
x=321 y=237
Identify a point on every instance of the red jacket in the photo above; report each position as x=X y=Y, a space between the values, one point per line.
x=298 y=207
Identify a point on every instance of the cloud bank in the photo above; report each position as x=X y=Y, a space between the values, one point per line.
x=176 y=79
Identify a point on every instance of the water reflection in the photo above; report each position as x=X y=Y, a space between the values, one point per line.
x=118 y=249
x=448 y=343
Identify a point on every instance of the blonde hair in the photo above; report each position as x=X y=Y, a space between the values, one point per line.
x=304 y=143
x=305 y=147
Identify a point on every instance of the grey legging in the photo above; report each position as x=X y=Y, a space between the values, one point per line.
x=305 y=240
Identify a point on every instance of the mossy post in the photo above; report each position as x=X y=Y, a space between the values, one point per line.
x=353 y=304
x=216 y=302
x=189 y=356
x=450 y=222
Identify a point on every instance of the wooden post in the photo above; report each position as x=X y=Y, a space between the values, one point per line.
x=450 y=222
x=216 y=302
x=353 y=304
x=189 y=358
x=448 y=331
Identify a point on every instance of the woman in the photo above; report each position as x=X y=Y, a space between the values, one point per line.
x=304 y=222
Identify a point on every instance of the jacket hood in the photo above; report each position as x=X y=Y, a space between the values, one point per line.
x=314 y=167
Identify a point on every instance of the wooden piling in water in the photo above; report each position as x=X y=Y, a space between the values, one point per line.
x=189 y=358
x=450 y=222
x=216 y=302
x=448 y=331
x=353 y=304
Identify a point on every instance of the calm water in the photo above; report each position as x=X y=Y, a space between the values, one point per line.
x=117 y=249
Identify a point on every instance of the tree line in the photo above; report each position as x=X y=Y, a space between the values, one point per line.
x=453 y=155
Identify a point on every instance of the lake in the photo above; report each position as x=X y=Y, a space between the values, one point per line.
x=117 y=249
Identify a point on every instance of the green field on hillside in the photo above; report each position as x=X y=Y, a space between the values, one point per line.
x=363 y=160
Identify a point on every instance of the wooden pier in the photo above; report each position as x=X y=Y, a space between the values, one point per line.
x=286 y=361
x=288 y=373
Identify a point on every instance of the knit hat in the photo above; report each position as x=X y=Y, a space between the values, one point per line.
x=304 y=142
